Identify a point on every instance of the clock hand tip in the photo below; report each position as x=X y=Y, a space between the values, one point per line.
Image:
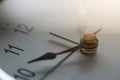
x=47 y=56
x=98 y=30
x=31 y=61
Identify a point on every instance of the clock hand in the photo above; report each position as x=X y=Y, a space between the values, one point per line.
x=98 y=31
x=52 y=55
x=51 y=70
x=56 y=35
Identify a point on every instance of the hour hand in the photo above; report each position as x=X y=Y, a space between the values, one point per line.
x=52 y=55
x=47 y=56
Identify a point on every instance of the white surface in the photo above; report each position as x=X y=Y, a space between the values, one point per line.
x=5 y=76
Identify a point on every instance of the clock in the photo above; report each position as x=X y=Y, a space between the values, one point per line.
x=24 y=36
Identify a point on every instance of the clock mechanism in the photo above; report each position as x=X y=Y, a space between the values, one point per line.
x=88 y=46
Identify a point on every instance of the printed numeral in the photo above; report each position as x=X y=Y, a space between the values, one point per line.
x=13 y=47
x=20 y=77
x=22 y=28
x=24 y=74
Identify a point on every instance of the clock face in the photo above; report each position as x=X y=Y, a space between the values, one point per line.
x=24 y=36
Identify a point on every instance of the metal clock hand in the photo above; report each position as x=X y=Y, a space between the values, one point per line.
x=61 y=37
x=52 y=55
x=98 y=30
x=56 y=66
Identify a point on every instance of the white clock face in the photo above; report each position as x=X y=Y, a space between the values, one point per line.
x=25 y=36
